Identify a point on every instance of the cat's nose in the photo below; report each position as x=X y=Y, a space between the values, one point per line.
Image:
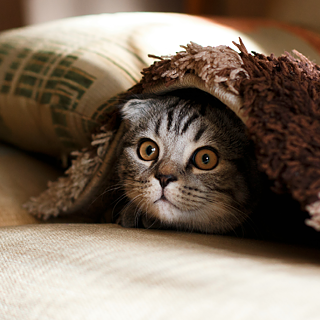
x=165 y=179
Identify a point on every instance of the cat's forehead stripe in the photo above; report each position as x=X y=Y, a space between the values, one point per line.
x=158 y=124
x=189 y=121
x=182 y=114
x=170 y=118
x=200 y=132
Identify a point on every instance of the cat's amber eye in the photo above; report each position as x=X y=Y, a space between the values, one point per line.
x=205 y=159
x=148 y=150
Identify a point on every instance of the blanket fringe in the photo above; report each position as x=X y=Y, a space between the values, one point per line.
x=214 y=65
x=61 y=194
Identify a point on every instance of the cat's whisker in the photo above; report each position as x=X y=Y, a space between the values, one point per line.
x=197 y=190
x=131 y=202
x=231 y=226
x=146 y=212
x=209 y=212
x=115 y=187
x=109 y=190
x=198 y=197
x=187 y=207
x=250 y=222
x=231 y=212
x=233 y=208
x=247 y=217
x=136 y=180
x=138 y=212
x=151 y=225
x=239 y=214
x=122 y=197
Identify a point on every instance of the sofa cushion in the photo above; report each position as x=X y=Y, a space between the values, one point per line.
x=22 y=176
x=108 y=272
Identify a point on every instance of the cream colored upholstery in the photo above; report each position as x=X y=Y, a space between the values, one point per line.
x=106 y=272
x=21 y=177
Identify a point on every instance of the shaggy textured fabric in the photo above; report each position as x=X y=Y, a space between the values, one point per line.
x=281 y=99
x=213 y=65
x=87 y=177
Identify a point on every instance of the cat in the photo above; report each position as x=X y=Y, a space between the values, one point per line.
x=186 y=164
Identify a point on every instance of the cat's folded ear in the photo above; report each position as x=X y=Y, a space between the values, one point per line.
x=134 y=109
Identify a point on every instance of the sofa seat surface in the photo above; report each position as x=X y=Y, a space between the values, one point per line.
x=21 y=177
x=87 y=271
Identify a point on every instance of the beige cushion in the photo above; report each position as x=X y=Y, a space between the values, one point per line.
x=107 y=272
x=21 y=177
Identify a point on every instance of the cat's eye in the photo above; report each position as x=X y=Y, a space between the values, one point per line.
x=148 y=150
x=205 y=158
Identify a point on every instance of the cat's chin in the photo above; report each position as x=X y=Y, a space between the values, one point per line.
x=169 y=213
x=163 y=201
x=166 y=211
x=171 y=216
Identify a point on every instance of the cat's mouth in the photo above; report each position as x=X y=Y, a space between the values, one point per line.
x=164 y=199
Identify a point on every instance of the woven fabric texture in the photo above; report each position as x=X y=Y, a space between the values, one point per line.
x=107 y=272
x=21 y=177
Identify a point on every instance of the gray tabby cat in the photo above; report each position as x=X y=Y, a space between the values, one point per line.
x=187 y=164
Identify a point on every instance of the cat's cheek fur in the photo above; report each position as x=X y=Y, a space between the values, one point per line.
x=165 y=212
x=154 y=192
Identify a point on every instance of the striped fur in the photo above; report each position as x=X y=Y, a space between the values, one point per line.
x=170 y=191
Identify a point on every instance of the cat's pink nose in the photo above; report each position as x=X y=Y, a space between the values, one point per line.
x=165 y=179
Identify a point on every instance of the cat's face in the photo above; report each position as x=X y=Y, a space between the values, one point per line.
x=185 y=165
